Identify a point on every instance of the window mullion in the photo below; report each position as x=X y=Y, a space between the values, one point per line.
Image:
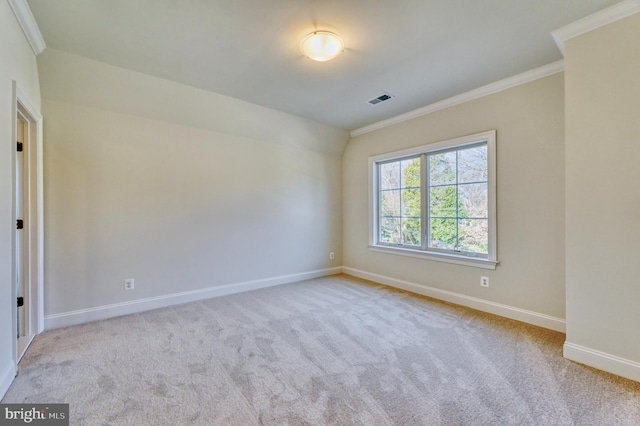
x=379 y=206
x=400 y=216
x=457 y=246
x=424 y=200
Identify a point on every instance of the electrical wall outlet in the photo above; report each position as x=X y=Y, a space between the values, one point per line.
x=484 y=281
x=332 y=256
x=129 y=284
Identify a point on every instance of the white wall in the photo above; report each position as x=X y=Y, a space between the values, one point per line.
x=17 y=63
x=175 y=187
x=74 y=79
x=529 y=120
x=603 y=197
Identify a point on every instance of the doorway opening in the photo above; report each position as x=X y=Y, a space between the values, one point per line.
x=28 y=235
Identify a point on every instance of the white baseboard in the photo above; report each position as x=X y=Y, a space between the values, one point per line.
x=8 y=374
x=602 y=361
x=118 y=309
x=530 y=317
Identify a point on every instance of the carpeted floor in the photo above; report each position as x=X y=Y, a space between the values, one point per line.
x=334 y=350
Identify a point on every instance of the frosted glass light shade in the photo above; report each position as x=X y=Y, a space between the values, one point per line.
x=322 y=46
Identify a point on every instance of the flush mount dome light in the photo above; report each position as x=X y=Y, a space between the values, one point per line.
x=322 y=46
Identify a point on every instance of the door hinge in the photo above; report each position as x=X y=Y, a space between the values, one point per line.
x=19 y=224
x=20 y=301
x=19 y=147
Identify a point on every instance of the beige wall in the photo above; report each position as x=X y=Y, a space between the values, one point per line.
x=529 y=120
x=17 y=63
x=603 y=196
x=177 y=202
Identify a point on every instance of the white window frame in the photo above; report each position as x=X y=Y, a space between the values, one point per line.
x=425 y=252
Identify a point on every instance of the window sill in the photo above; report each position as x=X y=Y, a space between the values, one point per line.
x=438 y=257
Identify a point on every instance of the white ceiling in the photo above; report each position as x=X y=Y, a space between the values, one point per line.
x=420 y=51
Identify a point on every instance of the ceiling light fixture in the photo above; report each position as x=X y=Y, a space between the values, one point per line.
x=322 y=46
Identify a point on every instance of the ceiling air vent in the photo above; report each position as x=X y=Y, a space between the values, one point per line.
x=381 y=98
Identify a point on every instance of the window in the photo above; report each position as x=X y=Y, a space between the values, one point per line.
x=437 y=201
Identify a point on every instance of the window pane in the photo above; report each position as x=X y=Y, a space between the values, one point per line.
x=442 y=200
x=390 y=231
x=473 y=235
x=411 y=231
x=443 y=233
x=442 y=168
x=390 y=203
x=411 y=202
x=390 y=175
x=410 y=173
x=472 y=165
x=400 y=209
x=473 y=200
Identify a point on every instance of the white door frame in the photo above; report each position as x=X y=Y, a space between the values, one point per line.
x=33 y=268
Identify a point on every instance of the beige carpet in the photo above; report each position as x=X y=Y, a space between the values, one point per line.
x=334 y=350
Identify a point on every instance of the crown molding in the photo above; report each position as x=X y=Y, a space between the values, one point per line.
x=595 y=20
x=489 y=89
x=28 y=23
